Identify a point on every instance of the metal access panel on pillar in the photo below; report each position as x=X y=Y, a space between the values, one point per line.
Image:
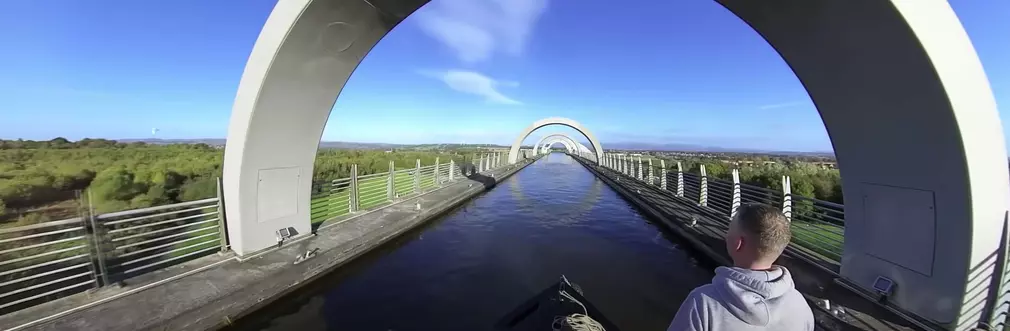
x=896 y=239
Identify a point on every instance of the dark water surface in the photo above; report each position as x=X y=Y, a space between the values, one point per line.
x=466 y=270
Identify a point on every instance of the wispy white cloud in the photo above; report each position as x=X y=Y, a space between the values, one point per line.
x=477 y=29
x=781 y=105
x=472 y=82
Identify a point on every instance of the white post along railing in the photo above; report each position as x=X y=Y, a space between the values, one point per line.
x=818 y=226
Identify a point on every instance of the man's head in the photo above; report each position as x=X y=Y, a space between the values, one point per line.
x=757 y=236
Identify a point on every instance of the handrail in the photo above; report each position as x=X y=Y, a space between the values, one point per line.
x=755 y=187
x=821 y=202
x=155 y=208
x=75 y=220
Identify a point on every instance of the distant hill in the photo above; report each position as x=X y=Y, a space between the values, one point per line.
x=354 y=145
x=701 y=148
x=324 y=144
x=155 y=141
x=616 y=145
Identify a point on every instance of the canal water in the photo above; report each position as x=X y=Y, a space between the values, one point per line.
x=468 y=269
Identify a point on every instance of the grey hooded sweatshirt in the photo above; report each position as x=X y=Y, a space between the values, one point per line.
x=745 y=300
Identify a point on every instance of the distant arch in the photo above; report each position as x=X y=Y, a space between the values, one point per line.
x=514 y=152
x=575 y=148
x=569 y=147
x=553 y=138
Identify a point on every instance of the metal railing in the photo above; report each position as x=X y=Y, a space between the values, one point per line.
x=818 y=226
x=345 y=196
x=134 y=241
x=49 y=260
x=45 y=261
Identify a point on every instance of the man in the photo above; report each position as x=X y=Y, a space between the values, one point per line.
x=754 y=294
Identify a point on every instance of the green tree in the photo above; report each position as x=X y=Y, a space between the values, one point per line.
x=199 y=188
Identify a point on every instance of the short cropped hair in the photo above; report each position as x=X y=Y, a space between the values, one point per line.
x=768 y=225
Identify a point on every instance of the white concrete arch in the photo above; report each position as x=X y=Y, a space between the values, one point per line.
x=545 y=148
x=897 y=82
x=514 y=152
x=567 y=144
x=575 y=148
x=552 y=138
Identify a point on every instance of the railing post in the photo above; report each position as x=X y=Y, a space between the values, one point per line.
x=703 y=189
x=437 y=182
x=662 y=172
x=417 y=176
x=222 y=226
x=629 y=165
x=98 y=239
x=787 y=197
x=736 y=193
x=651 y=181
x=84 y=212
x=352 y=205
x=391 y=182
x=452 y=170
x=640 y=175
x=680 y=180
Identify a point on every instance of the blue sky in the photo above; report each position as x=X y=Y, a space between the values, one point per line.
x=685 y=71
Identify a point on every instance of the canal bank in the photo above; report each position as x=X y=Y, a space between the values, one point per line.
x=467 y=269
x=211 y=292
x=704 y=231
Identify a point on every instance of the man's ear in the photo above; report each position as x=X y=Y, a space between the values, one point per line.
x=738 y=243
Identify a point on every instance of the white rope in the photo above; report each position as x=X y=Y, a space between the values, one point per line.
x=576 y=322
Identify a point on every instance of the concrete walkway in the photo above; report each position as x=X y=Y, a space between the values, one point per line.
x=816 y=282
x=210 y=292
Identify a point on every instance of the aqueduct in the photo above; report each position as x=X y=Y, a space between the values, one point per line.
x=896 y=83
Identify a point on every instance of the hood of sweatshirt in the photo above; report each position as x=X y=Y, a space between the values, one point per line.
x=753 y=296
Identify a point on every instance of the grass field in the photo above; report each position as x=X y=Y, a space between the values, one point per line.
x=821 y=238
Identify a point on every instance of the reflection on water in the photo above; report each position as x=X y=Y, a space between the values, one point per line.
x=468 y=269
